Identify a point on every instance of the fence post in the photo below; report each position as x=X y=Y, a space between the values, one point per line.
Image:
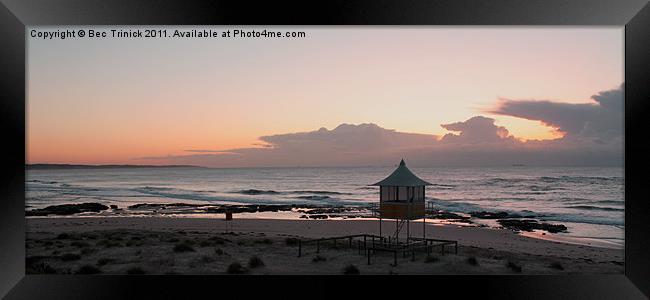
x=395 y=258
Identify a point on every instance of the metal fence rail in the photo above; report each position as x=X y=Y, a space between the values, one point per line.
x=373 y=243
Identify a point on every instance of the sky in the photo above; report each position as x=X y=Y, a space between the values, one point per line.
x=344 y=95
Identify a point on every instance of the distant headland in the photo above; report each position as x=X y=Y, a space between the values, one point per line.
x=71 y=166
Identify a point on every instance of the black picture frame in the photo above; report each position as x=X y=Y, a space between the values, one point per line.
x=17 y=15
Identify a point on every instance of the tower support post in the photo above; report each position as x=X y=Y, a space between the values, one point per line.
x=424 y=227
x=408 y=233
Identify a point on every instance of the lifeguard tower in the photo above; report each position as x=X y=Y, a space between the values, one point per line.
x=401 y=197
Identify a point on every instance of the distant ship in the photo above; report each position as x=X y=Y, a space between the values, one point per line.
x=518 y=165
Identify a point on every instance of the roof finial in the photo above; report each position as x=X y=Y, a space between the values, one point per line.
x=402 y=163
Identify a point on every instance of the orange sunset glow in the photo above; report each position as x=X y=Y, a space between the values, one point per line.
x=141 y=101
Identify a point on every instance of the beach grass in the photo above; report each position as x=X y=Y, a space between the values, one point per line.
x=513 y=266
x=183 y=247
x=70 y=257
x=135 y=271
x=236 y=268
x=351 y=270
x=255 y=262
x=290 y=241
x=318 y=258
x=431 y=259
x=88 y=269
x=556 y=266
x=472 y=261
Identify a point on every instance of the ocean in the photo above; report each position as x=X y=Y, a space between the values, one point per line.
x=588 y=200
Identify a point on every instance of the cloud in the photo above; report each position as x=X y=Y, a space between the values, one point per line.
x=478 y=130
x=593 y=136
x=350 y=138
x=475 y=142
x=208 y=151
x=347 y=144
x=598 y=122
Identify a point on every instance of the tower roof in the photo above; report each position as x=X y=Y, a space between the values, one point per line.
x=402 y=176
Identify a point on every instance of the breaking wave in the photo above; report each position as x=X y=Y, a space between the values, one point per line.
x=590 y=207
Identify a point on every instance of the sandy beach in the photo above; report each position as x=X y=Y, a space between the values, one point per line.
x=165 y=245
